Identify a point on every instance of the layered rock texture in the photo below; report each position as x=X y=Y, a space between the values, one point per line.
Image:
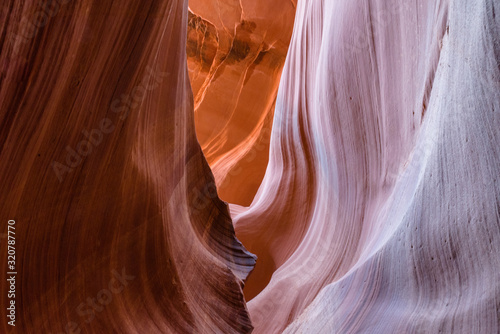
x=379 y=211
x=102 y=172
x=356 y=142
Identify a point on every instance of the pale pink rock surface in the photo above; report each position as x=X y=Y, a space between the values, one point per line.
x=379 y=210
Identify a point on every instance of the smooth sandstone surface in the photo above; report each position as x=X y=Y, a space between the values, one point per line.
x=356 y=142
x=379 y=211
x=125 y=234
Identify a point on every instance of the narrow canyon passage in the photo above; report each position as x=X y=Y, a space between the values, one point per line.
x=366 y=110
x=236 y=52
x=250 y=166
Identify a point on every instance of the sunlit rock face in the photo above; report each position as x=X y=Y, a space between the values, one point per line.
x=236 y=51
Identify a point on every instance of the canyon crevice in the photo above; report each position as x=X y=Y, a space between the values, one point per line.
x=224 y=166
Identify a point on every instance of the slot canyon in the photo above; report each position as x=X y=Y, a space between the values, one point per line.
x=238 y=166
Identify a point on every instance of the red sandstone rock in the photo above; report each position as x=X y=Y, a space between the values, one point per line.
x=138 y=202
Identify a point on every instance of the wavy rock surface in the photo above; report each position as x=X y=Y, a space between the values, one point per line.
x=102 y=173
x=380 y=208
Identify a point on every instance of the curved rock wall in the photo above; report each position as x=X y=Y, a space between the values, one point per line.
x=379 y=210
x=102 y=172
x=372 y=204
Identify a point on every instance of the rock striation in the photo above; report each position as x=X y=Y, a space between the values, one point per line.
x=379 y=211
x=102 y=173
x=356 y=143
